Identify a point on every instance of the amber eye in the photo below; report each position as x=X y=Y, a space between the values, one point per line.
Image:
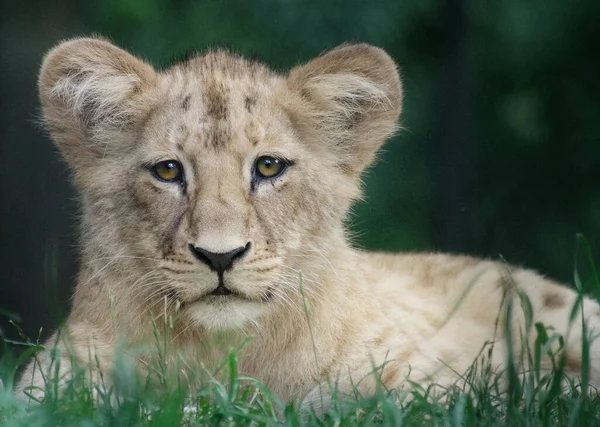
x=168 y=171
x=269 y=167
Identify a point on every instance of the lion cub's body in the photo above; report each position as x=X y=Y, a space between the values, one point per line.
x=313 y=310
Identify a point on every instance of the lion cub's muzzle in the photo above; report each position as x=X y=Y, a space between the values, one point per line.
x=220 y=262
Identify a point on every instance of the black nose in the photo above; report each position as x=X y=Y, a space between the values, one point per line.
x=219 y=262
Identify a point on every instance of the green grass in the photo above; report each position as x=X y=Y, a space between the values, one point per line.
x=241 y=401
x=536 y=398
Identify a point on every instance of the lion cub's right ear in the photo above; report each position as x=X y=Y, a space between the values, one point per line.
x=92 y=93
x=352 y=101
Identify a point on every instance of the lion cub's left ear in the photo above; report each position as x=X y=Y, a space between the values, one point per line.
x=92 y=93
x=353 y=100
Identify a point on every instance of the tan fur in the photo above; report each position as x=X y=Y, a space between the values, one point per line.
x=316 y=311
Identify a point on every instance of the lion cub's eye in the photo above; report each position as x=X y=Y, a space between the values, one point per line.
x=269 y=167
x=168 y=171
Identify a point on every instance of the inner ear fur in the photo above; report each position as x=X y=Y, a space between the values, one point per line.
x=91 y=91
x=352 y=101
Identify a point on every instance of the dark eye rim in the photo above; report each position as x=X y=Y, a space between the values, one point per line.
x=284 y=165
x=178 y=178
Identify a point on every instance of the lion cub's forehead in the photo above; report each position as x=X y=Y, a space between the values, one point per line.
x=219 y=101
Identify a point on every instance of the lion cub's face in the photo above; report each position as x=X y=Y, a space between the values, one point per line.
x=215 y=184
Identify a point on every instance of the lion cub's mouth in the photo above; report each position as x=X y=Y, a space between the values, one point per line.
x=220 y=293
x=221 y=290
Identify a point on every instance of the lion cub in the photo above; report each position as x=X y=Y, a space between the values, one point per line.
x=214 y=195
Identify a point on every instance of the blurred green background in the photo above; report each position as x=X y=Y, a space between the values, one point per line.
x=499 y=156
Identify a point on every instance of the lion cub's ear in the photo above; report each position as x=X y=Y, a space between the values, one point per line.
x=92 y=94
x=354 y=99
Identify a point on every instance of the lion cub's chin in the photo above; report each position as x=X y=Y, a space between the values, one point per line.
x=225 y=313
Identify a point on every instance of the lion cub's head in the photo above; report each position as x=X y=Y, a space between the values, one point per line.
x=215 y=182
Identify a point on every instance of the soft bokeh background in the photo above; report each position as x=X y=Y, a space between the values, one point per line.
x=499 y=156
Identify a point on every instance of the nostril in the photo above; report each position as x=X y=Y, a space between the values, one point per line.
x=200 y=255
x=241 y=252
x=219 y=262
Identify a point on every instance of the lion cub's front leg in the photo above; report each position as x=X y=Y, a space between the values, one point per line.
x=76 y=351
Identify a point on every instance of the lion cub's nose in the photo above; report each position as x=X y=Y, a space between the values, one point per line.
x=219 y=262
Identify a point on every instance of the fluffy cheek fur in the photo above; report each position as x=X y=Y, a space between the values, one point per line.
x=152 y=216
x=160 y=208
x=112 y=215
x=129 y=223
